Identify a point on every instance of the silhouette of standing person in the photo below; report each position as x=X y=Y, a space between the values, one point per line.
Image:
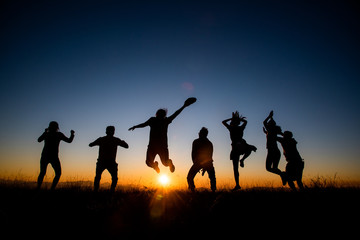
x=50 y=153
x=202 y=151
x=295 y=164
x=107 y=157
x=158 y=141
x=238 y=144
x=273 y=153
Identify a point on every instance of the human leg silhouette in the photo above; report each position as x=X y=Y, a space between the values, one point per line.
x=300 y=184
x=294 y=171
x=191 y=175
x=236 y=174
x=272 y=161
x=247 y=151
x=272 y=164
x=43 y=167
x=300 y=169
x=211 y=172
x=99 y=170
x=57 y=168
x=291 y=185
x=113 y=170
x=150 y=157
x=165 y=160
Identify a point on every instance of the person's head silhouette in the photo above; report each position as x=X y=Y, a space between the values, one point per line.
x=110 y=130
x=53 y=126
x=161 y=113
x=236 y=119
x=203 y=132
x=288 y=135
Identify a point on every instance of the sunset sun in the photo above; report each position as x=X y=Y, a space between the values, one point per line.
x=164 y=180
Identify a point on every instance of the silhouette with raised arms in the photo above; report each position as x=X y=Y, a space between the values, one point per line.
x=50 y=153
x=158 y=141
x=295 y=164
x=107 y=157
x=273 y=153
x=238 y=144
x=201 y=154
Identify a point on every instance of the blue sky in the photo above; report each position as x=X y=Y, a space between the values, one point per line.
x=89 y=64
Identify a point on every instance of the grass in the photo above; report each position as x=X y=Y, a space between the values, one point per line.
x=74 y=210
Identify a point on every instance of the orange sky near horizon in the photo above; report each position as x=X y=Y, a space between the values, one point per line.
x=133 y=170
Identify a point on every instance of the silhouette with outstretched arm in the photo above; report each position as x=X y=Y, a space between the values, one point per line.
x=158 y=141
x=295 y=164
x=273 y=153
x=107 y=157
x=50 y=153
x=202 y=152
x=238 y=144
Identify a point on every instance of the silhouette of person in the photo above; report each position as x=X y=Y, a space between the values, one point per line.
x=50 y=153
x=273 y=153
x=239 y=145
x=295 y=164
x=202 y=151
x=107 y=157
x=158 y=141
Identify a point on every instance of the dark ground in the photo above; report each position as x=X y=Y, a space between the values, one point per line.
x=77 y=212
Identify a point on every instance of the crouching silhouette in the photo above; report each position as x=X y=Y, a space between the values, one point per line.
x=202 y=151
x=107 y=156
x=295 y=164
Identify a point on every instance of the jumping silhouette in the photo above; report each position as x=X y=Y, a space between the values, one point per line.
x=273 y=153
x=158 y=141
x=107 y=157
x=202 y=151
x=295 y=164
x=50 y=152
x=239 y=145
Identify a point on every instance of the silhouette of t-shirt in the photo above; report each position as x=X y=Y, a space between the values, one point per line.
x=108 y=147
x=290 y=151
x=271 y=137
x=158 y=131
x=52 y=142
x=236 y=133
x=202 y=151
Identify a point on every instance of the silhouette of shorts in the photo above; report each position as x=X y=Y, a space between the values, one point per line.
x=55 y=163
x=111 y=166
x=163 y=153
x=294 y=170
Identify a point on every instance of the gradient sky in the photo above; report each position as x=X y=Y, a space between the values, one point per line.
x=90 y=64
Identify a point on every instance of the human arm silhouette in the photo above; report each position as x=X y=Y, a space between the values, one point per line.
x=268 y=118
x=96 y=142
x=187 y=103
x=70 y=139
x=141 y=125
x=242 y=119
x=264 y=130
x=225 y=122
x=123 y=144
x=175 y=114
x=42 y=137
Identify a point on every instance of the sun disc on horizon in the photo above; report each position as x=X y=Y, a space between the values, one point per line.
x=164 y=180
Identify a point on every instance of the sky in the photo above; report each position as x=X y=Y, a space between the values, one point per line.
x=90 y=64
